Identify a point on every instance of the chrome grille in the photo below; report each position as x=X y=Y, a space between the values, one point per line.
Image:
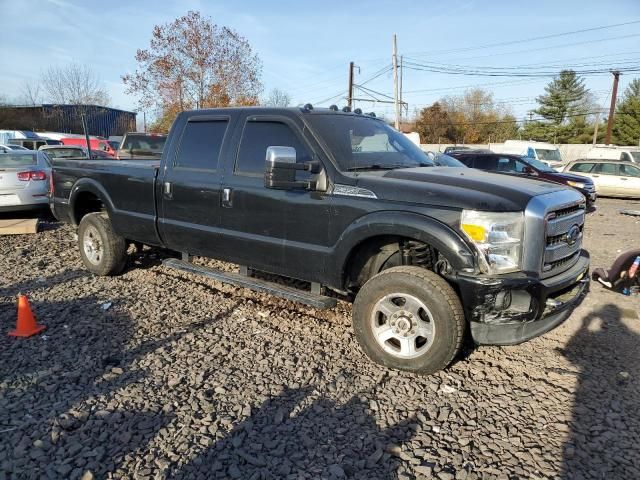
x=562 y=242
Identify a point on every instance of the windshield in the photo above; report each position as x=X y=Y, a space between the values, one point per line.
x=544 y=154
x=64 y=152
x=9 y=160
x=144 y=144
x=538 y=165
x=364 y=143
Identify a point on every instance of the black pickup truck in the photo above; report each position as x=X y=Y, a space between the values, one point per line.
x=346 y=203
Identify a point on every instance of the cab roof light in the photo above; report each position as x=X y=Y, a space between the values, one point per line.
x=358 y=111
x=346 y=109
x=372 y=114
x=334 y=108
x=308 y=107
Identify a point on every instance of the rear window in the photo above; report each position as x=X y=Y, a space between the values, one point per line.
x=64 y=152
x=8 y=160
x=581 y=167
x=144 y=144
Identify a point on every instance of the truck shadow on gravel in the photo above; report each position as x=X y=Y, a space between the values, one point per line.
x=69 y=399
x=605 y=424
x=296 y=434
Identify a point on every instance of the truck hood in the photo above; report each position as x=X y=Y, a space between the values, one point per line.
x=455 y=188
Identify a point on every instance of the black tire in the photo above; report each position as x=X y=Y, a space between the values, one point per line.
x=108 y=256
x=443 y=311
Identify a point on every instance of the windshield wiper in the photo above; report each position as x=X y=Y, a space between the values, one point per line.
x=377 y=166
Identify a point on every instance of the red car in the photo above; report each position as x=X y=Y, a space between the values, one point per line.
x=97 y=144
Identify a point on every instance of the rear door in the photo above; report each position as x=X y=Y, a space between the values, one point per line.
x=189 y=216
x=278 y=231
x=629 y=180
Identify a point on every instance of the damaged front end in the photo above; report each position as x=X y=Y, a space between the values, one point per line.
x=512 y=309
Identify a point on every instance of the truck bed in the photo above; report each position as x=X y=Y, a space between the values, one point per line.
x=129 y=186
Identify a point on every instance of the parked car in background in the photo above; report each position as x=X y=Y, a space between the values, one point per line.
x=32 y=143
x=64 y=151
x=623 y=154
x=24 y=180
x=9 y=148
x=444 y=160
x=612 y=178
x=524 y=166
x=547 y=153
x=96 y=144
x=448 y=150
x=141 y=146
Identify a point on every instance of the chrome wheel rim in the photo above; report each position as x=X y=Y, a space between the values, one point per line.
x=402 y=325
x=92 y=245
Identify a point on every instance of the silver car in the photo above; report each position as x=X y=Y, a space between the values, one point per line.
x=24 y=180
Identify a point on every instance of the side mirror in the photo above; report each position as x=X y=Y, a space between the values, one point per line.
x=281 y=167
x=529 y=171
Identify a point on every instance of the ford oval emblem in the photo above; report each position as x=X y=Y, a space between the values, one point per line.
x=573 y=234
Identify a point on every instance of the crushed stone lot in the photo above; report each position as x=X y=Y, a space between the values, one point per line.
x=158 y=374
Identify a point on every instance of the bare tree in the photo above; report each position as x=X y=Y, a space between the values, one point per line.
x=277 y=98
x=74 y=83
x=31 y=93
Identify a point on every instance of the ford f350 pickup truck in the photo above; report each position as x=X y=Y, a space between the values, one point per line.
x=346 y=203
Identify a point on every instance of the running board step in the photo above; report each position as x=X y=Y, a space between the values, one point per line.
x=257 y=284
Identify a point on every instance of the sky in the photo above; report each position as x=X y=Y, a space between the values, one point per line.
x=305 y=47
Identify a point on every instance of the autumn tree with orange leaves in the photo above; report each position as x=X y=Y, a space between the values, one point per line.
x=194 y=63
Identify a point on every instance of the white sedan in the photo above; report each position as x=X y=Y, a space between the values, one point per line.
x=611 y=178
x=24 y=180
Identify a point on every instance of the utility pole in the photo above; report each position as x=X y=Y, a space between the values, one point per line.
x=395 y=81
x=350 y=97
x=612 y=108
x=401 y=102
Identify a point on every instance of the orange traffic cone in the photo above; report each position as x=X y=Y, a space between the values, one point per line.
x=26 y=324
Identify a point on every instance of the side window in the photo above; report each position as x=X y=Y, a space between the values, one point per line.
x=582 y=167
x=506 y=164
x=200 y=144
x=606 y=169
x=629 y=170
x=259 y=135
x=625 y=157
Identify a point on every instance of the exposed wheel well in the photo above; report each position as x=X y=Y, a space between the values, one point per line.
x=379 y=253
x=85 y=203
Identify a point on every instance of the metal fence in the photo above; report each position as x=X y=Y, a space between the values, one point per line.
x=101 y=121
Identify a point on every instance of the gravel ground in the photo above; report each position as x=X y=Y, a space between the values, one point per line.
x=156 y=374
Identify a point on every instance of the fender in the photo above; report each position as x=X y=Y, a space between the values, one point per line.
x=405 y=224
x=89 y=185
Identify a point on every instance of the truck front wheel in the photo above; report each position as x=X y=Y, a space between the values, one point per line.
x=103 y=251
x=409 y=318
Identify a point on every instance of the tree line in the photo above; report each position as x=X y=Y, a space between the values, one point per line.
x=566 y=113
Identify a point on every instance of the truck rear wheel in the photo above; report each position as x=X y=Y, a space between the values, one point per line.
x=409 y=318
x=103 y=251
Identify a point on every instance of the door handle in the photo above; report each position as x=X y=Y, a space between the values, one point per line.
x=167 y=189
x=595 y=176
x=226 y=198
x=623 y=178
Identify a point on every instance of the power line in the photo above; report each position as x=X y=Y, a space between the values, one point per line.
x=525 y=40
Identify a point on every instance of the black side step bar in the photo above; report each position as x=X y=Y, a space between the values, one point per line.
x=308 y=298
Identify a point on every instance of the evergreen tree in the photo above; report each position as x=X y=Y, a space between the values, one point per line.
x=565 y=97
x=626 y=127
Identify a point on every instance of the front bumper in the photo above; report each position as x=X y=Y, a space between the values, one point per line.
x=535 y=305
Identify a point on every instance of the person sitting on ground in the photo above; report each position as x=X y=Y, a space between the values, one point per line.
x=617 y=277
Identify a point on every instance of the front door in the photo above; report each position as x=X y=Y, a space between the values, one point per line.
x=189 y=215
x=629 y=180
x=278 y=231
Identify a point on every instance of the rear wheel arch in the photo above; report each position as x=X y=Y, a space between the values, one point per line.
x=89 y=197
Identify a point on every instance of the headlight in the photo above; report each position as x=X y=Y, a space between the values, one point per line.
x=498 y=238
x=575 y=184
